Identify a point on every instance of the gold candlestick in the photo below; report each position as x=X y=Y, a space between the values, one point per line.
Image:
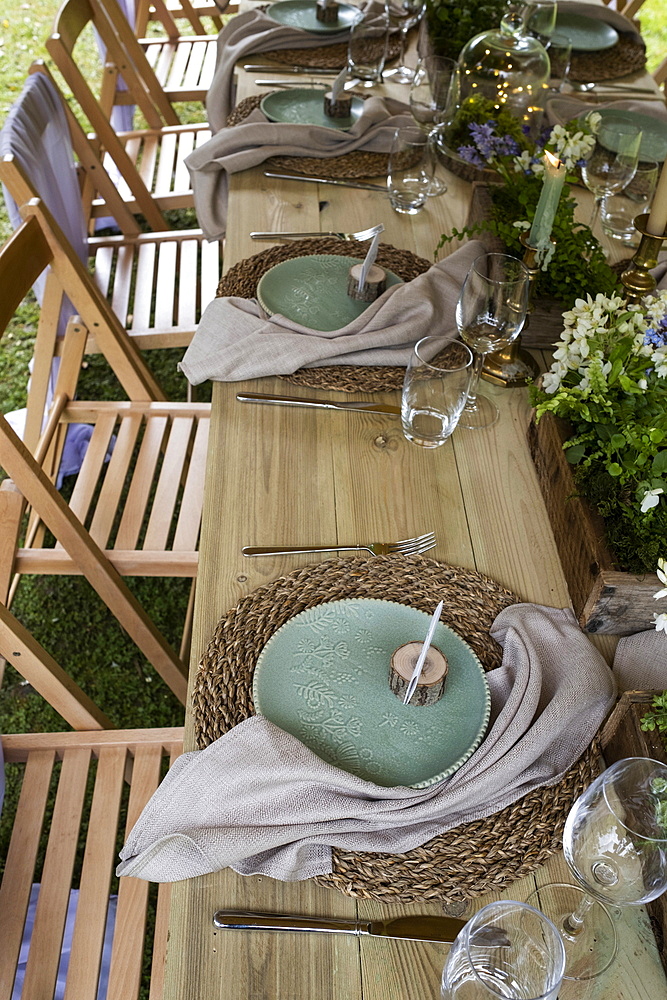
x=637 y=279
x=513 y=366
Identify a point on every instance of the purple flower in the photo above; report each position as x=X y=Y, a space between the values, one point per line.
x=470 y=155
x=484 y=138
x=657 y=336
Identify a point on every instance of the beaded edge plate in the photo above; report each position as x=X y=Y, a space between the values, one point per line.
x=324 y=677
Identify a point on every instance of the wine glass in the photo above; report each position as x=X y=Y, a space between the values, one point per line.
x=404 y=14
x=540 y=19
x=612 y=162
x=615 y=845
x=429 y=100
x=508 y=950
x=490 y=313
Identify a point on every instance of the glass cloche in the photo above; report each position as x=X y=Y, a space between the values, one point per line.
x=502 y=70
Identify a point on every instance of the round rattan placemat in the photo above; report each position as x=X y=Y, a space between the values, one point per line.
x=242 y=278
x=471 y=859
x=627 y=56
x=359 y=163
x=325 y=56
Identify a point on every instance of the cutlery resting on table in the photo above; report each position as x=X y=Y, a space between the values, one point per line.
x=321 y=404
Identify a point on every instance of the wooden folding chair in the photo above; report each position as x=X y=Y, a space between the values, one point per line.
x=153 y=175
x=193 y=12
x=157 y=284
x=136 y=506
x=183 y=65
x=79 y=841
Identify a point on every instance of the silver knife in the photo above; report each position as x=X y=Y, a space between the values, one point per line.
x=420 y=928
x=327 y=180
x=261 y=397
x=350 y=85
x=310 y=70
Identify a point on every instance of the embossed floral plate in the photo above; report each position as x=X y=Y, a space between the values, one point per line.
x=305 y=106
x=654 y=131
x=324 y=678
x=303 y=14
x=587 y=34
x=312 y=291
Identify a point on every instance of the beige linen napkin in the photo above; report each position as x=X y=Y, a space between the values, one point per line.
x=560 y=110
x=256 y=139
x=253 y=32
x=235 y=340
x=258 y=800
x=640 y=663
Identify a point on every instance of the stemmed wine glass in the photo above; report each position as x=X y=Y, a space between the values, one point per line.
x=612 y=162
x=404 y=14
x=429 y=99
x=615 y=845
x=490 y=313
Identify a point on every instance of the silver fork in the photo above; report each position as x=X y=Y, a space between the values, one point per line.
x=360 y=237
x=408 y=546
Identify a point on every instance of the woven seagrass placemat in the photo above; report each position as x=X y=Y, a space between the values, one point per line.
x=360 y=163
x=627 y=56
x=471 y=859
x=325 y=56
x=242 y=278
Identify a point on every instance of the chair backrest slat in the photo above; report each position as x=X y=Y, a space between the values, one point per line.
x=139 y=492
x=168 y=485
x=187 y=532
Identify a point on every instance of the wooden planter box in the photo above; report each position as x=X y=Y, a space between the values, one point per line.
x=604 y=599
x=623 y=737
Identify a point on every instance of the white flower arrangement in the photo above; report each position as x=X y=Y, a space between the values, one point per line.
x=660 y=620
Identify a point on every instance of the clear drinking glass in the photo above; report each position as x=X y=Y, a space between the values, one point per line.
x=404 y=14
x=490 y=313
x=612 y=162
x=435 y=389
x=410 y=170
x=429 y=101
x=367 y=47
x=619 y=211
x=560 y=56
x=508 y=950
x=540 y=19
x=615 y=845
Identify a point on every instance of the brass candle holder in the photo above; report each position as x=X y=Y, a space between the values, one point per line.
x=513 y=366
x=637 y=279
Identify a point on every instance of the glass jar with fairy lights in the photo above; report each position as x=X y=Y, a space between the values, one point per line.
x=502 y=72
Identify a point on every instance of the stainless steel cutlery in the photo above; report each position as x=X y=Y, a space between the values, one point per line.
x=327 y=180
x=320 y=404
x=408 y=546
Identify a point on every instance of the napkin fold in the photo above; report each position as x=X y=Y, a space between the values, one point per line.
x=560 y=110
x=258 y=800
x=255 y=32
x=240 y=147
x=235 y=340
x=640 y=663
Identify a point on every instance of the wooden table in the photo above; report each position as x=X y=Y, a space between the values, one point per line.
x=278 y=475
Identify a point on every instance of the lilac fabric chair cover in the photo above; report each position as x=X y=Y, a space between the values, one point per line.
x=36 y=134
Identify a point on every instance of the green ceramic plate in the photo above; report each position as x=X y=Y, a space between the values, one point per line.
x=305 y=106
x=313 y=291
x=324 y=678
x=654 y=131
x=301 y=14
x=587 y=34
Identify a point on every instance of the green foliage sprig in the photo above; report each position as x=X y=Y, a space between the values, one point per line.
x=452 y=23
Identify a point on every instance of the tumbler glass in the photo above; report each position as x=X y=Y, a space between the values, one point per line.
x=410 y=170
x=367 y=47
x=435 y=389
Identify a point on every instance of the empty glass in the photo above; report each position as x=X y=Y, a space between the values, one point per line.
x=410 y=170
x=429 y=101
x=540 y=19
x=490 y=313
x=435 y=389
x=404 y=14
x=619 y=211
x=615 y=845
x=560 y=55
x=612 y=162
x=367 y=47
x=507 y=950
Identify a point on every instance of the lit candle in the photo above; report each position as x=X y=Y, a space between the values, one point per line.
x=554 y=178
x=657 y=220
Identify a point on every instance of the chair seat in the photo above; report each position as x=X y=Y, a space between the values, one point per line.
x=158 y=156
x=184 y=66
x=158 y=284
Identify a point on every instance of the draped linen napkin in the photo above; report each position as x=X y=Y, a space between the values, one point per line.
x=235 y=340
x=640 y=663
x=240 y=147
x=560 y=110
x=254 y=32
x=259 y=801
